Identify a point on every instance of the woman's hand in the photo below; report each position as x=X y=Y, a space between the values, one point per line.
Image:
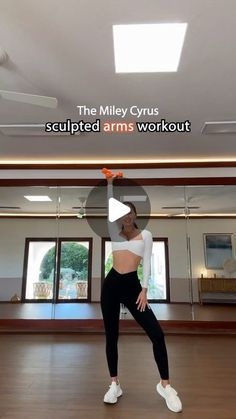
x=142 y=300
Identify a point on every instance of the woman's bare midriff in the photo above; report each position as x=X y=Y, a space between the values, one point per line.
x=125 y=261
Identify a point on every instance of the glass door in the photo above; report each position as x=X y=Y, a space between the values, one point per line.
x=74 y=269
x=39 y=269
x=159 y=287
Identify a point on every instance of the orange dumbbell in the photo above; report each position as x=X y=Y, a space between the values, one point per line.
x=119 y=174
x=107 y=172
x=104 y=170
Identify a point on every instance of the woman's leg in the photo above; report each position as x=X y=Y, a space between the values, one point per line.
x=150 y=324
x=110 y=306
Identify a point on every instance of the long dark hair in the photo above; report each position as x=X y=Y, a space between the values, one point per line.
x=132 y=206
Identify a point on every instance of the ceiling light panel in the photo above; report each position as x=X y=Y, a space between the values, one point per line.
x=135 y=198
x=148 y=47
x=37 y=198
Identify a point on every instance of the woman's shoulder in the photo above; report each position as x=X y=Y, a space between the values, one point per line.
x=146 y=233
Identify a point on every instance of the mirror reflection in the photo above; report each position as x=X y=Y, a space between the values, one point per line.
x=29 y=231
x=211 y=227
x=169 y=280
x=52 y=261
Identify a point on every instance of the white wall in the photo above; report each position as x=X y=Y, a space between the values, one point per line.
x=12 y=243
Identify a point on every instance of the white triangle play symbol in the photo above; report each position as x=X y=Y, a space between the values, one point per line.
x=116 y=209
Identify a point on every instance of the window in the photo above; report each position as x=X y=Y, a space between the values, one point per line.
x=158 y=289
x=57 y=269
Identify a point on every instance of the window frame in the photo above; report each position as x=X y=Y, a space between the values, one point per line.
x=55 y=297
x=162 y=239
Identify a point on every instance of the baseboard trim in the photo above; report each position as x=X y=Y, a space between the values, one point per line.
x=96 y=326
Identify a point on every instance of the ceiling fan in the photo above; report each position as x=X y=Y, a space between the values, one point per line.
x=38 y=100
x=81 y=212
x=45 y=101
x=185 y=210
x=83 y=209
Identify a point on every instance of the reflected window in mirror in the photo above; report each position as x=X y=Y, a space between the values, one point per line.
x=59 y=269
x=158 y=288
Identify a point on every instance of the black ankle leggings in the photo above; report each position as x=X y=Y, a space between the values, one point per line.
x=125 y=288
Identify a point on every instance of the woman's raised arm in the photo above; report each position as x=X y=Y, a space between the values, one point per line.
x=113 y=227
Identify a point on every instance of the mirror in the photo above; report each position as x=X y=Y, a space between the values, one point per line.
x=54 y=262
x=211 y=227
x=76 y=289
x=169 y=284
x=28 y=231
x=168 y=224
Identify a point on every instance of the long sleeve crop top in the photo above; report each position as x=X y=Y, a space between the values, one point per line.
x=141 y=247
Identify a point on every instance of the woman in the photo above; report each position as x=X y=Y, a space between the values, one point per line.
x=121 y=285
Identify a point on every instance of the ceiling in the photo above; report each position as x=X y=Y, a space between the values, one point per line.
x=211 y=200
x=64 y=48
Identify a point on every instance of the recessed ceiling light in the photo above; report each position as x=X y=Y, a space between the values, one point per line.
x=135 y=198
x=148 y=47
x=219 y=127
x=37 y=198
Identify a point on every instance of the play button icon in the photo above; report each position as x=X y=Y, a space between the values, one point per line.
x=116 y=210
x=100 y=209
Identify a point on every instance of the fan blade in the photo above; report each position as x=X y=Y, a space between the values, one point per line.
x=10 y=207
x=187 y=207
x=89 y=207
x=47 y=101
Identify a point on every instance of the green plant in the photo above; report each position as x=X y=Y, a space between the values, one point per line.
x=73 y=255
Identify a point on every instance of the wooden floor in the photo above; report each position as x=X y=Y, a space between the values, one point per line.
x=66 y=376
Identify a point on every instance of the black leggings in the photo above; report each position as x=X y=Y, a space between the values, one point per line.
x=125 y=288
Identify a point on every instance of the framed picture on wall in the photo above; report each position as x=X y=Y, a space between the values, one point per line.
x=217 y=248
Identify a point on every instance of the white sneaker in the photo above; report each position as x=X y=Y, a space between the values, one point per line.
x=170 y=395
x=113 y=393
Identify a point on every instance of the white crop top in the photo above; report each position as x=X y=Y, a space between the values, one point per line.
x=141 y=247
